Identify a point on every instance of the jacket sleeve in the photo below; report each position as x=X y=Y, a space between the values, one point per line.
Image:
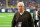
x=39 y=14
x=14 y=21
x=31 y=23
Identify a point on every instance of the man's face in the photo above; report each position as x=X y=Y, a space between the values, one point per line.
x=20 y=7
x=35 y=8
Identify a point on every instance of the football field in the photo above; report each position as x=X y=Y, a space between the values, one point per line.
x=6 y=19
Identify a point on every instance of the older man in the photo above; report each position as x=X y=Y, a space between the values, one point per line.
x=22 y=18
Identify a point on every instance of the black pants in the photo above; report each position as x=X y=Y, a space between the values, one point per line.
x=35 y=22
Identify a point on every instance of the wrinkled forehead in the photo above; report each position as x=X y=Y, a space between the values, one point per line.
x=20 y=4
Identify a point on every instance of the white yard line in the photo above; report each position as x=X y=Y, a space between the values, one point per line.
x=2 y=16
x=10 y=15
x=5 y=25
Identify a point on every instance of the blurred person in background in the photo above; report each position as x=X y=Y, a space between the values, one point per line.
x=22 y=18
x=35 y=16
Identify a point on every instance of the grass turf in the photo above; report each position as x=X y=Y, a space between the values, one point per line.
x=6 y=19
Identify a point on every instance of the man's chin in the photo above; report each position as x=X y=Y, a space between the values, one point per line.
x=20 y=11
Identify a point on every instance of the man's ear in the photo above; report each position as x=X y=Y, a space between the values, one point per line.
x=23 y=6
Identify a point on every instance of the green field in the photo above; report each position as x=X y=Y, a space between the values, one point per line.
x=6 y=19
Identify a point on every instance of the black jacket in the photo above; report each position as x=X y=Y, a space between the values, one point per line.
x=25 y=18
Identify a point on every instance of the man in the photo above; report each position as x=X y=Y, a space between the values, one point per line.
x=35 y=16
x=22 y=18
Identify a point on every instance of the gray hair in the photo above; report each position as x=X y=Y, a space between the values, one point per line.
x=21 y=3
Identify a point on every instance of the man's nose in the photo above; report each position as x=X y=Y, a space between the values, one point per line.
x=20 y=7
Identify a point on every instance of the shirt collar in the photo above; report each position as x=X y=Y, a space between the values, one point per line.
x=21 y=13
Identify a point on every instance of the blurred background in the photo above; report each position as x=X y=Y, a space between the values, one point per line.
x=9 y=7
